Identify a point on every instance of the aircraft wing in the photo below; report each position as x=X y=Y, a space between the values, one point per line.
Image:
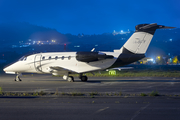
x=120 y=68
x=59 y=69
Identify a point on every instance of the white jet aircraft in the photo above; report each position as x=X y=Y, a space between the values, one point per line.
x=66 y=63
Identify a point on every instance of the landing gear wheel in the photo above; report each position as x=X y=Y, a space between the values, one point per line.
x=70 y=79
x=17 y=78
x=84 y=78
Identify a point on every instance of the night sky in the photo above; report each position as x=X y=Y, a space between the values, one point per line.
x=91 y=16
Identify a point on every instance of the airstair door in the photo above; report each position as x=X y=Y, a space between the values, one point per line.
x=37 y=63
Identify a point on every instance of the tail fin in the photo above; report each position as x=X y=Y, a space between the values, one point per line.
x=140 y=40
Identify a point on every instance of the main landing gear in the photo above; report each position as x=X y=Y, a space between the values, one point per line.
x=71 y=78
x=83 y=78
x=68 y=78
x=17 y=78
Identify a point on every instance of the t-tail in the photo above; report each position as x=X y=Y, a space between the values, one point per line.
x=140 y=40
x=136 y=46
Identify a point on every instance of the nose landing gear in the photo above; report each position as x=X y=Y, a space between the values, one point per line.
x=17 y=78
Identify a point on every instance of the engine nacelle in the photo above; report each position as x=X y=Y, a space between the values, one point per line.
x=92 y=56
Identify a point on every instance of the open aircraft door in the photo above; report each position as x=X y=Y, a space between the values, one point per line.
x=37 y=63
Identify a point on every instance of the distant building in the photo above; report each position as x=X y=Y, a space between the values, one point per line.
x=121 y=32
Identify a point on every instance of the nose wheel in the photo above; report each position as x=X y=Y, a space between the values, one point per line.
x=17 y=78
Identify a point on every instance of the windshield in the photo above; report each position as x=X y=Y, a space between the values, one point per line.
x=23 y=58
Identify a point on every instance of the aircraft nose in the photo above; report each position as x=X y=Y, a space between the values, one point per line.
x=5 y=69
x=8 y=68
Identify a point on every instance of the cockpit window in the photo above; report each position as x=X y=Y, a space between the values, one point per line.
x=23 y=58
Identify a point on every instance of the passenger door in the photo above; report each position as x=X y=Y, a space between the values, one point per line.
x=37 y=63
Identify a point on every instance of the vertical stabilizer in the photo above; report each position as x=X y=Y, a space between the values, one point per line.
x=136 y=46
x=140 y=40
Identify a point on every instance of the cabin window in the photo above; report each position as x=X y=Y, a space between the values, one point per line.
x=69 y=57
x=49 y=57
x=62 y=58
x=43 y=57
x=56 y=57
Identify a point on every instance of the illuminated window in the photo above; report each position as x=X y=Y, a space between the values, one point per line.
x=56 y=57
x=62 y=58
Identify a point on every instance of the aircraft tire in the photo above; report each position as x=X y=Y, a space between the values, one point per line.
x=17 y=79
x=70 y=79
x=84 y=78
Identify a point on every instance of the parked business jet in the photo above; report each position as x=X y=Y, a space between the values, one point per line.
x=66 y=63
